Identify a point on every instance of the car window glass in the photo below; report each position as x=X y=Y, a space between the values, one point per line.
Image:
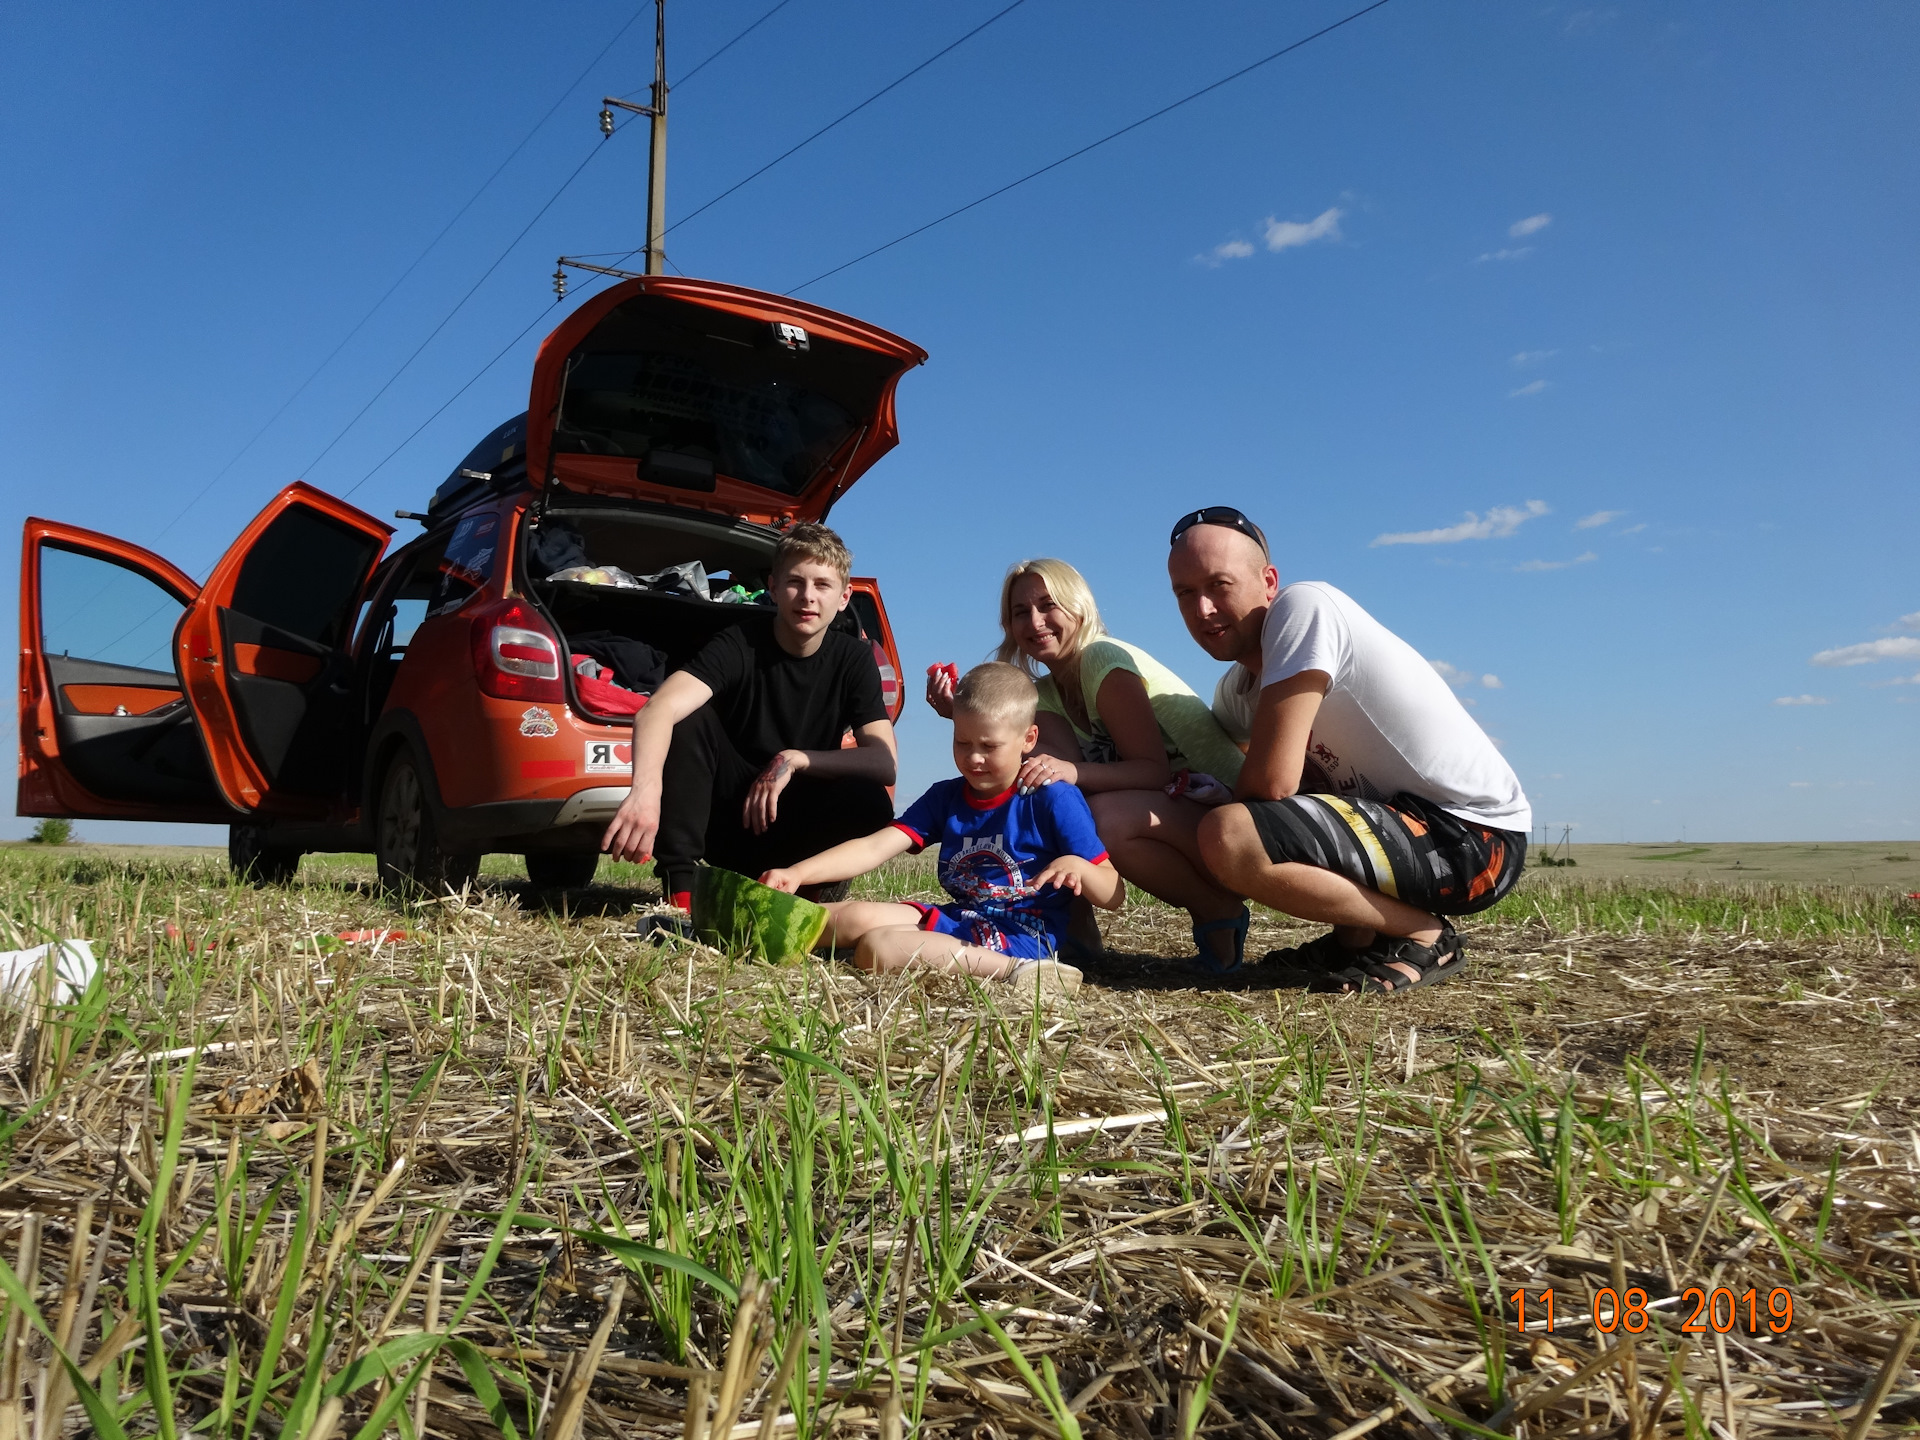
x=408 y=612
x=304 y=575
x=471 y=554
x=93 y=609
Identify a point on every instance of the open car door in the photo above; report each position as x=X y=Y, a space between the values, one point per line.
x=105 y=732
x=263 y=651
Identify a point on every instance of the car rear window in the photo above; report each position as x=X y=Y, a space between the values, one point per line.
x=659 y=375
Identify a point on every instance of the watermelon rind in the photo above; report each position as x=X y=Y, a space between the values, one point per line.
x=742 y=916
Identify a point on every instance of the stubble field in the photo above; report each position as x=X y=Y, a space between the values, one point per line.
x=491 y=1165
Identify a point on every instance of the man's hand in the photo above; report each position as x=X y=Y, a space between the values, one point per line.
x=763 y=800
x=634 y=827
x=786 y=880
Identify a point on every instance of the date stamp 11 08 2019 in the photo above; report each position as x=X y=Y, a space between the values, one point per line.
x=1721 y=1309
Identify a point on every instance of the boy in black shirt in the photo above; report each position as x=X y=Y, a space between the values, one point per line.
x=737 y=758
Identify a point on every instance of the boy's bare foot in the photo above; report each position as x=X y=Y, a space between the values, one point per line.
x=1046 y=978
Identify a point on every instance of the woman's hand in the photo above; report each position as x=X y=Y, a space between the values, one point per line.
x=940 y=682
x=785 y=880
x=1042 y=770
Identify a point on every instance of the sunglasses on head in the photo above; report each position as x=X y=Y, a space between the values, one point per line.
x=1220 y=515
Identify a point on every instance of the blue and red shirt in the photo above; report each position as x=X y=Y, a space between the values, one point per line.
x=993 y=848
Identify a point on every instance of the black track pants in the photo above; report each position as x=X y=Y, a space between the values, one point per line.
x=704 y=785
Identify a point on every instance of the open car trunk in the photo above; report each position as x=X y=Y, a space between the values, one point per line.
x=655 y=546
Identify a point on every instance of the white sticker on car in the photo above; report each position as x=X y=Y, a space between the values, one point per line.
x=538 y=723
x=609 y=757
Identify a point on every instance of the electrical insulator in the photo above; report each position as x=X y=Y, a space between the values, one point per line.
x=606 y=122
x=559 y=282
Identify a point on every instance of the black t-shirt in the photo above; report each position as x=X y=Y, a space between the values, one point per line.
x=769 y=701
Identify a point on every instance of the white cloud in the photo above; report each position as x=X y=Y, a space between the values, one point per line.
x=1532 y=387
x=1899 y=647
x=1908 y=622
x=1801 y=700
x=1233 y=250
x=1799 y=784
x=1527 y=566
x=1597 y=519
x=1913 y=679
x=1277 y=235
x=1520 y=229
x=1463 y=679
x=1634 y=529
x=1519 y=252
x=1498 y=523
x=1525 y=358
x=1285 y=234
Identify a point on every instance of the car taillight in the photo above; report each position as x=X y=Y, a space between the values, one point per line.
x=515 y=656
x=889 y=678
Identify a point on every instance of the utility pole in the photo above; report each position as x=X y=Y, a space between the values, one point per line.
x=657 y=162
x=656 y=246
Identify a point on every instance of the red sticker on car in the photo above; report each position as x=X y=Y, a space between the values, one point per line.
x=609 y=757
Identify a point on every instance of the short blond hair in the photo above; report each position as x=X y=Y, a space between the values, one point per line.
x=810 y=540
x=1068 y=589
x=998 y=691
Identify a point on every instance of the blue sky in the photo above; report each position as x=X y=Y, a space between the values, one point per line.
x=1575 y=342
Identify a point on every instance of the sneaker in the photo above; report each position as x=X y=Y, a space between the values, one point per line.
x=1043 y=977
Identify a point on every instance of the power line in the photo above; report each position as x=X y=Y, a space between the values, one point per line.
x=1095 y=145
x=831 y=124
x=458 y=306
x=472 y=200
x=726 y=47
x=471 y=382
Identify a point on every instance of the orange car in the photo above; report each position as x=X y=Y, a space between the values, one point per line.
x=429 y=706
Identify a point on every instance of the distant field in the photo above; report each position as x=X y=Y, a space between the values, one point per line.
x=1891 y=863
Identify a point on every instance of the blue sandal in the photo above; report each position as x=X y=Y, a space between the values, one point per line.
x=1237 y=924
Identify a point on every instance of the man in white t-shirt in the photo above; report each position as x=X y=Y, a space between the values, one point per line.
x=1370 y=799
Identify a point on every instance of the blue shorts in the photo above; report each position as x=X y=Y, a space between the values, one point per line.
x=977 y=929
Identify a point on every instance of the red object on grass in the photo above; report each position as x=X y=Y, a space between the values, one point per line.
x=374 y=937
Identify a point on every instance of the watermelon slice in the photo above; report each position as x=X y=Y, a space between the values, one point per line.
x=733 y=913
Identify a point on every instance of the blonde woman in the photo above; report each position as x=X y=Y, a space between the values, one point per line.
x=1120 y=726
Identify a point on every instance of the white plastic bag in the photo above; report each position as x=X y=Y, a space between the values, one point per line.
x=73 y=968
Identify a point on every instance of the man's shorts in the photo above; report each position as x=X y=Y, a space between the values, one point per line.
x=1411 y=849
x=977 y=929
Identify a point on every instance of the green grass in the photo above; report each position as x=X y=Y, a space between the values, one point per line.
x=1797 y=912
x=848 y=1152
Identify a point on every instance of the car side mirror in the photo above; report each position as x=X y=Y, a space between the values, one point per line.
x=678 y=470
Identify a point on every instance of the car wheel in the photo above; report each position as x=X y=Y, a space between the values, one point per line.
x=406 y=846
x=562 y=869
x=255 y=861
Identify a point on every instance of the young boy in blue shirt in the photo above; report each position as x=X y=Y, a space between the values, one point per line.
x=1012 y=861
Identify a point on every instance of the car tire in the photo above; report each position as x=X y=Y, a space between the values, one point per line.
x=256 y=862
x=562 y=869
x=406 y=845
